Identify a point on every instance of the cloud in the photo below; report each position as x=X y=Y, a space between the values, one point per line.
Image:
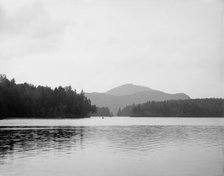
x=211 y=1
x=29 y=30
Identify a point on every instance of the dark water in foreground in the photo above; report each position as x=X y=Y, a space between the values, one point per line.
x=112 y=147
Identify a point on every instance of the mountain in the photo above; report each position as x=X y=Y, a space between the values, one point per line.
x=127 y=89
x=129 y=94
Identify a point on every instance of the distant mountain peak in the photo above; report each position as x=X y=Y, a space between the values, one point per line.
x=127 y=89
x=129 y=94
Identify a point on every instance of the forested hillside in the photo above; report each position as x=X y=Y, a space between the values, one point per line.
x=26 y=100
x=129 y=94
x=176 y=108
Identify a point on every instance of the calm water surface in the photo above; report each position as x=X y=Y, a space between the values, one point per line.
x=112 y=147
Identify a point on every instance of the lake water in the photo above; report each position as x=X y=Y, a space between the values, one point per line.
x=114 y=146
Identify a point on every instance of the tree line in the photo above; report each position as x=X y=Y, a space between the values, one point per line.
x=26 y=100
x=103 y=111
x=209 y=107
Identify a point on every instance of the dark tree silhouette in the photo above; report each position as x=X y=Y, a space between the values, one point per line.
x=26 y=100
x=209 y=107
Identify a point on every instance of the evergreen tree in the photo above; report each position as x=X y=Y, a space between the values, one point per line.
x=26 y=100
x=209 y=107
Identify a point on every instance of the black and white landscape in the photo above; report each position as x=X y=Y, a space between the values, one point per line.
x=129 y=94
x=111 y=88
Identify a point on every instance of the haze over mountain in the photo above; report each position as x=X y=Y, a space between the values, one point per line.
x=127 y=89
x=129 y=94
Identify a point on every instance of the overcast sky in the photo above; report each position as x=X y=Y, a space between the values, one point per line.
x=95 y=45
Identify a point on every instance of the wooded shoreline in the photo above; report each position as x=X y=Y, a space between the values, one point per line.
x=42 y=102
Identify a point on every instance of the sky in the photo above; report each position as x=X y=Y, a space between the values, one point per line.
x=95 y=45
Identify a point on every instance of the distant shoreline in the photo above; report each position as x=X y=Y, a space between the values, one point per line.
x=43 y=118
x=67 y=118
x=180 y=117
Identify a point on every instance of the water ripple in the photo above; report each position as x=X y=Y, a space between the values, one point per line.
x=175 y=149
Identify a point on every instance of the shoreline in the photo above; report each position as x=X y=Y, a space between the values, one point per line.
x=86 y=117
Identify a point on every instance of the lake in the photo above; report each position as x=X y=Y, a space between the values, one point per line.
x=116 y=146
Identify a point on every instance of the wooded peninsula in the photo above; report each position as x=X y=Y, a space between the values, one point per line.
x=209 y=107
x=26 y=100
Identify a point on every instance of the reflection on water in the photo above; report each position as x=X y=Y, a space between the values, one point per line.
x=17 y=140
x=112 y=150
